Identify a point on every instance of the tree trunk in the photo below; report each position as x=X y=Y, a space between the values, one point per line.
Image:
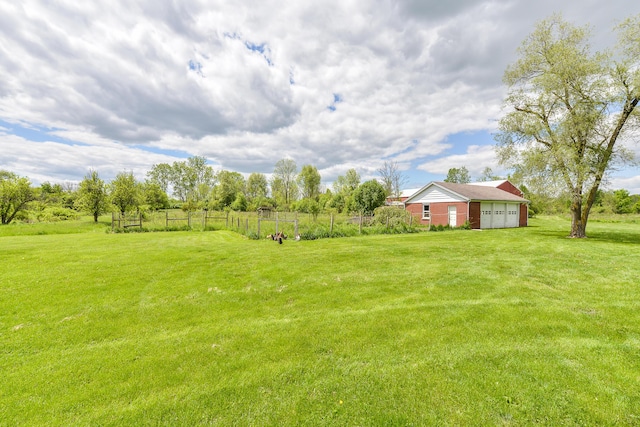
x=578 y=223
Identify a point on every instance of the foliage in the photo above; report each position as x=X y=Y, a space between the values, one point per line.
x=189 y=180
x=441 y=227
x=57 y=213
x=283 y=182
x=347 y=184
x=15 y=194
x=488 y=175
x=391 y=216
x=257 y=187
x=307 y=205
x=125 y=192
x=230 y=185
x=240 y=203
x=458 y=175
x=92 y=195
x=568 y=108
x=309 y=182
x=368 y=196
x=154 y=196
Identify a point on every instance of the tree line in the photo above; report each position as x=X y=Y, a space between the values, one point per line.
x=568 y=109
x=193 y=185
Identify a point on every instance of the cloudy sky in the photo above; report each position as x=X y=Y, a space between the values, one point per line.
x=123 y=85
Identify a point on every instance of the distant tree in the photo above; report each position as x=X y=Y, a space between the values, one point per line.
x=257 y=187
x=190 y=180
x=240 y=203
x=347 y=184
x=488 y=175
x=337 y=202
x=568 y=108
x=623 y=202
x=309 y=182
x=154 y=196
x=92 y=195
x=51 y=194
x=15 y=194
x=125 y=192
x=161 y=174
x=368 y=196
x=392 y=179
x=230 y=184
x=458 y=175
x=283 y=182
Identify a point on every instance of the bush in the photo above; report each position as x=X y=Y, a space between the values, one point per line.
x=392 y=216
x=440 y=227
x=56 y=213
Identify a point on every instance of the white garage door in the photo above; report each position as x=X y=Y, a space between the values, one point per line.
x=499 y=215
x=513 y=215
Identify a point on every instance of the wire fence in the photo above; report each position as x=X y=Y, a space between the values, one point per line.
x=257 y=225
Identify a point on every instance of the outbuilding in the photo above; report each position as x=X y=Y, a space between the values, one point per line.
x=491 y=204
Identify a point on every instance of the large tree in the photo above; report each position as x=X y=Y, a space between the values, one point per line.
x=346 y=184
x=125 y=192
x=569 y=108
x=15 y=194
x=92 y=195
x=283 y=181
x=190 y=180
x=257 y=186
x=230 y=184
x=256 y=190
x=309 y=182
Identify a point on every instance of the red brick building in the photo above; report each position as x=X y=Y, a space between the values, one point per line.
x=492 y=204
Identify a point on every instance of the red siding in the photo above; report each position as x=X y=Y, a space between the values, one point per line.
x=439 y=213
x=524 y=214
x=510 y=188
x=474 y=214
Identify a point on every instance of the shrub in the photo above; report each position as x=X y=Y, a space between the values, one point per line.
x=56 y=213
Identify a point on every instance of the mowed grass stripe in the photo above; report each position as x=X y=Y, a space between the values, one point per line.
x=495 y=327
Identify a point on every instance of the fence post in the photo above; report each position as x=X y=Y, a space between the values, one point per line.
x=360 y=228
x=331 y=226
x=226 y=222
x=259 y=227
x=113 y=219
x=295 y=233
x=276 y=222
x=189 y=219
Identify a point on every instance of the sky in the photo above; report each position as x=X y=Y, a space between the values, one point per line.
x=120 y=86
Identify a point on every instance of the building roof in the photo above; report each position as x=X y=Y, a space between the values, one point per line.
x=408 y=193
x=484 y=191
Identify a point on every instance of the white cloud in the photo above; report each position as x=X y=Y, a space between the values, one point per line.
x=248 y=83
x=476 y=159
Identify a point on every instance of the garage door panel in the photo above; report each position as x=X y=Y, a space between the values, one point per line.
x=499 y=215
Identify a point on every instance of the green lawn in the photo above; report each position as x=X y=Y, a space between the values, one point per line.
x=497 y=327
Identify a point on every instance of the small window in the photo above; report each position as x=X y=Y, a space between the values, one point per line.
x=425 y=212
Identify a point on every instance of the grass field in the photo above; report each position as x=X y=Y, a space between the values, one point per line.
x=497 y=327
